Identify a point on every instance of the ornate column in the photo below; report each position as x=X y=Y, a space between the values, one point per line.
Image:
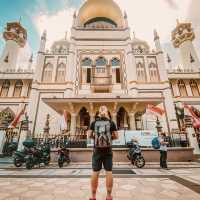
x=3 y=127
x=92 y=117
x=192 y=135
x=73 y=123
x=132 y=121
x=114 y=117
x=23 y=133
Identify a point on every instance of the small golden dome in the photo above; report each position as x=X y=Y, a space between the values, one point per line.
x=92 y=9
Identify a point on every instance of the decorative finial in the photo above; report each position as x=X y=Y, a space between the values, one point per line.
x=156 y=36
x=66 y=35
x=44 y=35
x=125 y=15
x=31 y=58
x=168 y=59
x=74 y=14
x=133 y=34
x=191 y=58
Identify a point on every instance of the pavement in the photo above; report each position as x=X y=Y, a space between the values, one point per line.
x=181 y=182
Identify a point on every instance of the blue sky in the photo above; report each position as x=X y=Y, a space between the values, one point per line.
x=56 y=17
x=27 y=10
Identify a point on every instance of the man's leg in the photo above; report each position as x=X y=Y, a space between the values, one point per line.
x=94 y=183
x=161 y=159
x=165 y=159
x=109 y=183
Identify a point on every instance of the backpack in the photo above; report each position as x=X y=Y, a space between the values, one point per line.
x=103 y=136
x=156 y=143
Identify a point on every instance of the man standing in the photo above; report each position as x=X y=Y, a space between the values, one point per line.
x=163 y=151
x=103 y=131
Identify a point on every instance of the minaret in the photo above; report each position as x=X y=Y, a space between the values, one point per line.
x=15 y=36
x=74 y=20
x=182 y=37
x=43 y=42
x=157 y=42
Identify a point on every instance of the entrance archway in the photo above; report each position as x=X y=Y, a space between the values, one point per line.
x=122 y=119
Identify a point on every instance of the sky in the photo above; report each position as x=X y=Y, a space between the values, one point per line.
x=55 y=16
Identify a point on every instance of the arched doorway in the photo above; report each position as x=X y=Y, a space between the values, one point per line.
x=84 y=118
x=122 y=119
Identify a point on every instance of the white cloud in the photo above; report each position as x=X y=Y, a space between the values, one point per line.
x=56 y=24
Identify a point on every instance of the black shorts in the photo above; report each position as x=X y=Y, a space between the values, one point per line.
x=102 y=157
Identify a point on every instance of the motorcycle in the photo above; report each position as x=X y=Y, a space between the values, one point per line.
x=63 y=157
x=38 y=156
x=19 y=156
x=135 y=154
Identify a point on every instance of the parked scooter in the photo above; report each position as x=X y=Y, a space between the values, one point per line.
x=38 y=156
x=135 y=154
x=63 y=157
x=19 y=156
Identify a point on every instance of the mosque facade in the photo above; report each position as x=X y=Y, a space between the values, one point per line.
x=101 y=64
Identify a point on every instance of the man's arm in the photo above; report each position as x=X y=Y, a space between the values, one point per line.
x=115 y=135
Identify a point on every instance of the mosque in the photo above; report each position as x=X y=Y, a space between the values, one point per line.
x=101 y=64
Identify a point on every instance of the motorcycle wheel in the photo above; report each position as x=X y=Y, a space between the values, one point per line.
x=29 y=164
x=140 y=162
x=17 y=162
x=60 y=162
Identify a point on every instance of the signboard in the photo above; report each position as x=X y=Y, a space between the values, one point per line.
x=143 y=137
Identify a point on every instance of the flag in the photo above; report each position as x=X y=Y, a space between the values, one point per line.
x=16 y=120
x=195 y=118
x=63 y=121
x=155 y=109
x=190 y=110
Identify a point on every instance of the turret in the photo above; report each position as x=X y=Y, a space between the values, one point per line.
x=157 y=42
x=43 y=42
x=182 y=38
x=15 y=36
x=74 y=20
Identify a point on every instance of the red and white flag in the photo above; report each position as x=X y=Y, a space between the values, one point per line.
x=196 y=119
x=155 y=110
x=63 y=121
x=16 y=120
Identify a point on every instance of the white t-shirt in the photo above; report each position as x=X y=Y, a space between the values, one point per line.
x=163 y=147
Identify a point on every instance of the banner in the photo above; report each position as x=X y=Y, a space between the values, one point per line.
x=143 y=137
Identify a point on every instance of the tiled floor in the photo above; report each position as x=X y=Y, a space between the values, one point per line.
x=182 y=182
x=76 y=189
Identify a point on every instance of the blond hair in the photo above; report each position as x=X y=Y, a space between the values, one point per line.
x=103 y=112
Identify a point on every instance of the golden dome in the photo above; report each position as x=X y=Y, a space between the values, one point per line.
x=92 y=9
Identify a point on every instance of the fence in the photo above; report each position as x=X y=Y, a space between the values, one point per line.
x=80 y=141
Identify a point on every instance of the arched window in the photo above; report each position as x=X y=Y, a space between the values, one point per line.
x=101 y=62
x=182 y=88
x=153 y=72
x=115 y=62
x=86 y=62
x=48 y=73
x=5 y=88
x=60 y=74
x=141 y=73
x=194 y=88
x=18 y=88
